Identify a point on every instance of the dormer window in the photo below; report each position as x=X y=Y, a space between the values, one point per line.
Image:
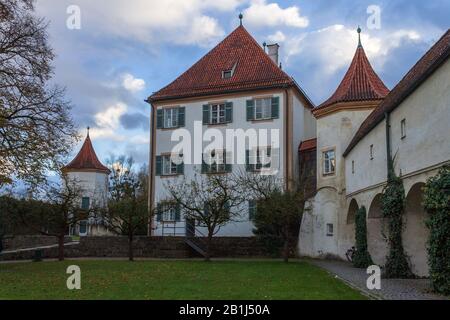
x=227 y=74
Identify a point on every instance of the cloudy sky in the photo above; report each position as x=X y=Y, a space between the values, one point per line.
x=127 y=49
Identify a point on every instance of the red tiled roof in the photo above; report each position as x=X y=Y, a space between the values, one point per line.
x=86 y=159
x=425 y=67
x=253 y=70
x=360 y=83
x=308 y=145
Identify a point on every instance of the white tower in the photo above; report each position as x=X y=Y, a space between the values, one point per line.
x=92 y=176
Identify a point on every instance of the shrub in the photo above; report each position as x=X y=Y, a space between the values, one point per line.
x=361 y=258
x=437 y=204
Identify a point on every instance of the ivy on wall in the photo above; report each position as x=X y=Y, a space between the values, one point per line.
x=361 y=258
x=437 y=204
x=393 y=207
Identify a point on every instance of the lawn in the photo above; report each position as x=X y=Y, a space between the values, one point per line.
x=172 y=280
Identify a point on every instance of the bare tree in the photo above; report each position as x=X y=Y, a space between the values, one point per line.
x=59 y=210
x=211 y=201
x=36 y=130
x=127 y=210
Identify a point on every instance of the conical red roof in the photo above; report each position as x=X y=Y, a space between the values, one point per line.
x=360 y=83
x=253 y=69
x=86 y=159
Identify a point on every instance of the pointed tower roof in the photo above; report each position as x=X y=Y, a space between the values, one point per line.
x=250 y=67
x=86 y=159
x=360 y=83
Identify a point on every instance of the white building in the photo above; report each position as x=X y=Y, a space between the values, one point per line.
x=356 y=129
x=237 y=85
x=92 y=177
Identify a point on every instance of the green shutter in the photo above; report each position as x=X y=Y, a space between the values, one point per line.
x=275 y=107
x=229 y=112
x=158 y=165
x=206 y=114
x=177 y=213
x=251 y=209
x=160 y=119
x=158 y=212
x=204 y=165
x=269 y=154
x=248 y=165
x=228 y=161
x=250 y=110
x=181 y=116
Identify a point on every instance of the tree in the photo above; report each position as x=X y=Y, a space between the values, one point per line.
x=59 y=210
x=278 y=212
x=361 y=258
x=127 y=210
x=36 y=130
x=211 y=201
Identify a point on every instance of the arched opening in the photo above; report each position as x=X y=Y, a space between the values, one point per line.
x=352 y=209
x=415 y=232
x=376 y=233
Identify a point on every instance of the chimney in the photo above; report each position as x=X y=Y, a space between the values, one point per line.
x=273 y=52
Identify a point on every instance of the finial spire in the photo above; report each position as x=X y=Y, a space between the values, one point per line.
x=359 y=36
x=88 y=128
x=241 y=16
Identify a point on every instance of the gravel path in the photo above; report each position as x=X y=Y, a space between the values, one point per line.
x=391 y=289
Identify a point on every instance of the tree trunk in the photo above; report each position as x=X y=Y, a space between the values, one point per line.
x=130 y=248
x=208 y=247
x=61 y=248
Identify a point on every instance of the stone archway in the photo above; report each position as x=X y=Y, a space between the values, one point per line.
x=415 y=232
x=351 y=214
x=347 y=238
x=376 y=232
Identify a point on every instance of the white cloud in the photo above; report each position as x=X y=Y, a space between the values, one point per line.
x=108 y=121
x=277 y=37
x=132 y=84
x=333 y=47
x=151 y=22
x=262 y=14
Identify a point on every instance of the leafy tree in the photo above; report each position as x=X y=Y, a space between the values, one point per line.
x=437 y=204
x=127 y=211
x=361 y=258
x=211 y=201
x=279 y=211
x=36 y=130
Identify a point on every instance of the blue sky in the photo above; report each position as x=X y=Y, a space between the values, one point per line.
x=125 y=50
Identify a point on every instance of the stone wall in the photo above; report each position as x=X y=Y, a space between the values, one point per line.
x=148 y=247
x=30 y=241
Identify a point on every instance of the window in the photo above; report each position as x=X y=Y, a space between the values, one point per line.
x=215 y=161
x=371 y=152
x=330 y=229
x=227 y=74
x=83 y=228
x=263 y=108
x=168 y=212
x=329 y=162
x=217 y=114
x=85 y=203
x=169 y=118
x=168 y=166
x=252 y=207
x=260 y=159
x=403 y=128
x=353 y=166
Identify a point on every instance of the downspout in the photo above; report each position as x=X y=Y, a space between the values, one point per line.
x=150 y=169
x=390 y=165
x=286 y=138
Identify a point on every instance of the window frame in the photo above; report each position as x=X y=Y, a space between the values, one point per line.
x=403 y=128
x=219 y=154
x=325 y=160
x=330 y=229
x=257 y=165
x=218 y=116
x=264 y=108
x=165 y=158
x=174 y=114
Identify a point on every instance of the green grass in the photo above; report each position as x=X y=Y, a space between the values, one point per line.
x=173 y=280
